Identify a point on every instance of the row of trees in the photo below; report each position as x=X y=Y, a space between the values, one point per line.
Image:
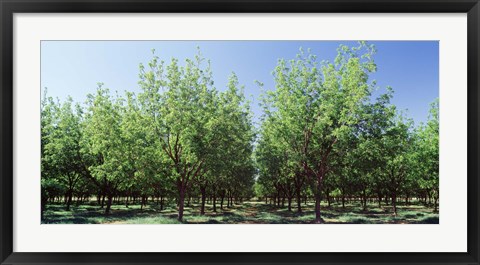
x=178 y=137
x=323 y=135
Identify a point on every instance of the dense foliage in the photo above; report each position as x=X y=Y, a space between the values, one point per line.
x=323 y=136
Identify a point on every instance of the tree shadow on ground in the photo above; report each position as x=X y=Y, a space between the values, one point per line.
x=246 y=213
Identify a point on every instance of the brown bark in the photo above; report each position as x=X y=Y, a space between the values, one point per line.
x=221 y=200
x=142 y=203
x=43 y=207
x=181 y=203
x=318 y=218
x=299 y=202
x=364 y=198
x=103 y=201
x=204 y=195
x=318 y=197
x=394 y=203
x=69 y=199
x=299 y=199
x=214 y=201
x=109 y=204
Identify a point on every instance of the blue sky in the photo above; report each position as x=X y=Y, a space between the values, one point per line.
x=75 y=67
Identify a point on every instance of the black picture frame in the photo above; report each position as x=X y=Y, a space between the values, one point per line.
x=9 y=7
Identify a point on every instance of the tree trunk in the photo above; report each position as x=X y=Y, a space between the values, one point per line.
x=394 y=203
x=109 y=204
x=181 y=202
x=43 y=207
x=228 y=199
x=204 y=195
x=290 y=203
x=364 y=198
x=69 y=199
x=103 y=201
x=278 y=198
x=318 y=194
x=318 y=219
x=214 y=201
x=299 y=201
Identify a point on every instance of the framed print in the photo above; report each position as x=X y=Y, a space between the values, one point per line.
x=253 y=132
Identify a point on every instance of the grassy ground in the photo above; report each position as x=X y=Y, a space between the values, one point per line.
x=251 y=212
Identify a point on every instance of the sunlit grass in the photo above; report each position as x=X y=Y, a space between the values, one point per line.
x=246 y=213
x=152 y=220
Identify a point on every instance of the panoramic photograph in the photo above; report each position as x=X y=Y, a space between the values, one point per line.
x=239 y=132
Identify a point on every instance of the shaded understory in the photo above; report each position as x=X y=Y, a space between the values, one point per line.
x=250 y=212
